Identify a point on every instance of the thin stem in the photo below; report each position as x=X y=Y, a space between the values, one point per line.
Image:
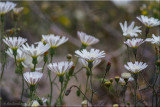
x=61 y=93
x=124 y=100
x=91 y=88
x=22 y=86
x=43 y=66
x=51 y=87
x=135 y=90
x=81 y=93
x=3 y=67
x=86 y=87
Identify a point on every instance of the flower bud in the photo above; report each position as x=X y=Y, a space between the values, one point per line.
x=115 y=105
x=117 y=78
x=108 y=67
x=69 y=56
x=108 y=84
x=71 y=70
x=111 y=80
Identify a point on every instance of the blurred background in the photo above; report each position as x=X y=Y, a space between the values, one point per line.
x=98 y=18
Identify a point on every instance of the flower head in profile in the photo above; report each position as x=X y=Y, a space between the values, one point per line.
x=154 y=40
x=27 y=63
x=87 y=40
x=35 y=51
x=84 y=63
x=35 y=103
x=91 y=55
x=18 y=10
x=60 y=68
x=135 y=67
x=21 y=56
x=122 y=80
x=32 y=78
x=134 y=43
x=149 y=22
x=14 y=42
x=54 y=41
x=5 y=7
x=130 y=31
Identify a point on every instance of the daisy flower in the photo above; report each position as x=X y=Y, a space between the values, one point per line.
x=54 y=41
x=18 y=10
x=35 y=51
x=91 y=55
x=60 y=68
x=5 y=7
x=32 y=77
x=84 y=63
x=134 y=43
x=154 y=40
x=149 y=22
x=87 y=40
x=130 y=31
x=21 y=56
x=14 y=42
x=122 y=81
x=27 y=63
x=35 y=103
x=135 y=67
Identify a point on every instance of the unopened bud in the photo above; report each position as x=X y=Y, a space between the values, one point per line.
x=128 y=103
x=115 y=105
x=117 y=79
x=71 y=70
x=69 y=56
x=111 y=80
x=108 y=67
x=108 y=84
x=67 y=92
x=158 y=62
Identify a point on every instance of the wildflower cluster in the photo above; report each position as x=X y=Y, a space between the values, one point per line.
x=28 y=57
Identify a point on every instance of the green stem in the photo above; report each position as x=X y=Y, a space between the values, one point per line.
x=51 y=87
x=34 y=61
x=91 y=88
x=86 y=87
x=43 y=66
x=32 y=89
x=135 y=90
x=22 y=86
x=61 y=94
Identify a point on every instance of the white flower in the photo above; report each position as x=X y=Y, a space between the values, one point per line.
x=6 y=7
x=149 y=22
x=126 y=75
x=35 y=103
x=18 y=10
x=14 y=42
x=35 y=51
x=28 y=62
x=32 y=77
x=122 y=81
x=84 y=63
x=135 y=67
x=60 y=68
x=21 y=56
x=54 y=41
x=154 y=40
x=87 y=39
x=91 y=55
x=44 y=99
x=130 y=31
x=134 y=43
